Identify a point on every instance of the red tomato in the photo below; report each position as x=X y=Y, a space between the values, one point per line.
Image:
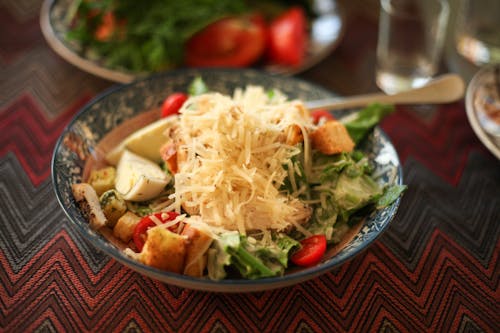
x=172 y=104
x=229 y=42
x=316 y=115
x=109 y=27
x=287 y=38
x=139 y=236
x=311 y=251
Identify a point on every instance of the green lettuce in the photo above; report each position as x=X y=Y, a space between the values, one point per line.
x=391 y=194
x=154 y=33
x=251 y=258
x=343 y=186
x=366 y=119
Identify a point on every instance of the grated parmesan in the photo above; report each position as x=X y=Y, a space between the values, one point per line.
x=233 y=153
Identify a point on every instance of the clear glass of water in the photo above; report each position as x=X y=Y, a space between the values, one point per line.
x=477 y=33
x=410 y=42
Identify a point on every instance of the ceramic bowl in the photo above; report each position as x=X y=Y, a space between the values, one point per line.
x=79 y=142
x=482 y=102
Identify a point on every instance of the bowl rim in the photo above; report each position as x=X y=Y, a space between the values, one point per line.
x=205 y=284
x=485 y=137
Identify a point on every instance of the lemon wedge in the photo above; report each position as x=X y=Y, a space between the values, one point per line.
x=139 y=179
x=145 y=142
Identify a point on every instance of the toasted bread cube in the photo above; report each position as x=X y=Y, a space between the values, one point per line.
x=181 y=153
x=332 y=138
x=113 y=205
x=169 y=156
x=164 y=250
x=103 y=179
x=197 y=244
x=88 y=201
x=293 y=135
x=124 y=228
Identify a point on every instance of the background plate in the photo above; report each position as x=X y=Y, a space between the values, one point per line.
x=326 y=31
x=482 y=77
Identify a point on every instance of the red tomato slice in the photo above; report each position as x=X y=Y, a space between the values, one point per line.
x=311 y=251
x=109 y=27
x=172 y=104
x=316 y=115
x=229 y=42
x=287 y=38
x=139 y=236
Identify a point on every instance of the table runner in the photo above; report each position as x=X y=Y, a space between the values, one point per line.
x=435 y=269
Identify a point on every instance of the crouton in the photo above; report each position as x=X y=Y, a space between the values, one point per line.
x=332 y=138
x=293 y=135
x=171 y=152
x=169 y=156
x=197 y=244
x=181 y=153
x=88 y=201
x=103 y=179
x=124 y=228
x=113 y=206
x=164 y=250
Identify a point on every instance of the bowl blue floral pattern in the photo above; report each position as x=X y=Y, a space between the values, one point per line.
x=108 y=110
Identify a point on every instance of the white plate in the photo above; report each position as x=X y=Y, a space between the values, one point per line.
x=482 y=77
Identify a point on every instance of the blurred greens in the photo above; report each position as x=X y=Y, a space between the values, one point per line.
x=150 y=35
x=154 y=33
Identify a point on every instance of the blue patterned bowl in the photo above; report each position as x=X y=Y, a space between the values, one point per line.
x=79 y=142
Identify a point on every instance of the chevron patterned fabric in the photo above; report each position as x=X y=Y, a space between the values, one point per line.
x=436 y=268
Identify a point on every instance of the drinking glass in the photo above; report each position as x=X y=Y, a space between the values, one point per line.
x=410 y=42
x=478 y=31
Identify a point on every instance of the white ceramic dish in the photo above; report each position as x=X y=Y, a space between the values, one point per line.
x=481 y=90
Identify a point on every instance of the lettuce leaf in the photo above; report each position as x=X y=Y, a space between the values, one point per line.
x=152 y=33
x=366 y=119
x=345 y=188
x=390 y=195
x=251 y=258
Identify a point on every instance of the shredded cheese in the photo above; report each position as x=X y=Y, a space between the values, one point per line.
x=234 y=150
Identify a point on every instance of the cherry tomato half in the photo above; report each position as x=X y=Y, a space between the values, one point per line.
x=139 y=236
x=229 y=42
x=316 y=115
x=287 y=38
x=311 y=251
x=109 y=27
x=172 y=104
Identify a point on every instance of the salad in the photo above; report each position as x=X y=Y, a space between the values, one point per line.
x=242 y=186
x=150 y=36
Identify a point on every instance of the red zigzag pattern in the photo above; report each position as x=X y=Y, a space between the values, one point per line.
x=27 y=133
x=448 y=150
x=69 y=294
